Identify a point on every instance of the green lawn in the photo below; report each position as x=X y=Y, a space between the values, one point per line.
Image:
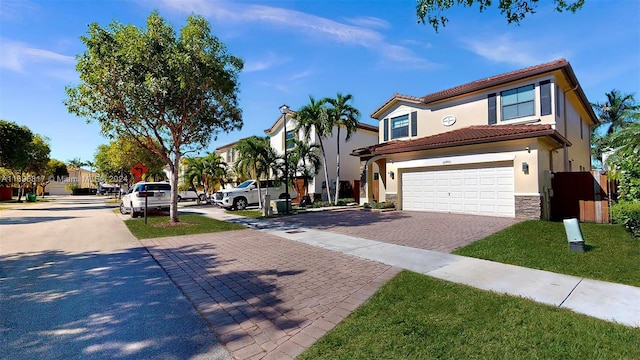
x=254 y=214
x=417 y=317
x=158 y=226
x=613 y=254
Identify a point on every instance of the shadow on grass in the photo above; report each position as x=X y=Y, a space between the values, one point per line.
x=59 y=305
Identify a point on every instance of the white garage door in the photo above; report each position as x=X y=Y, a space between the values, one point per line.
x=480 y=191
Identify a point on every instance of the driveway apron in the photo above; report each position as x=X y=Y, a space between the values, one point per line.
x=264 y=296
x=75 y=284
x=442 y=232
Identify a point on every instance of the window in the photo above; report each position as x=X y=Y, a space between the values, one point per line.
x=400 y=126
x=291 y=135
x=517 y=103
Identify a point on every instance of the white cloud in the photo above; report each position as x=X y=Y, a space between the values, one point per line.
x=17 y=56
x=266 y=62
x=301 y=75
x=369 y=21
x=303 y=23
x=506 y=49
x=11 y=10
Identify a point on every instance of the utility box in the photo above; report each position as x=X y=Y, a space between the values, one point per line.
x=574 y=235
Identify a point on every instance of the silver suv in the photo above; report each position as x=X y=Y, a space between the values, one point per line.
x=246 y=194
x=157 y=194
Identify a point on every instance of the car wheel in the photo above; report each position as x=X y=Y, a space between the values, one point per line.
x=240 y=203
x=123 y=210
x=179 y=198
x=202 y=198
x=133 y=213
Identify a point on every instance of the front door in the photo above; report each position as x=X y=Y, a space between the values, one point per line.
x=375 y=185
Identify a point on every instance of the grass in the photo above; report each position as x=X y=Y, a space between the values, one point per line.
x=417 y=317
x=159 y=226
x=254 y=214
x=613 y=254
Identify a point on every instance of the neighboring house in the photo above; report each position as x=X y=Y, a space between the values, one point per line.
x=229 y=155
x=489 y=147
x=81 y=178
x=349 y=166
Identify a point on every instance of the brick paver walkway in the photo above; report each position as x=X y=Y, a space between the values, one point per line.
x=266 y=297
x=424 y=230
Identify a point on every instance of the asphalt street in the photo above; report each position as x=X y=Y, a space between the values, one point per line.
x=75 y=284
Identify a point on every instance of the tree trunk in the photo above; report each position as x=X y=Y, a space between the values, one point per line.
x=326 y=173
x=337 y=168
x=173 y=208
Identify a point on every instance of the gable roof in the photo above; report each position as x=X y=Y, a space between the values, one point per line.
x=561 y=64
x=280 y=118
x=472 y=135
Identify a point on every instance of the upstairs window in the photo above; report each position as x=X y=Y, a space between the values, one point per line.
x=517 y=103
x=400 y=126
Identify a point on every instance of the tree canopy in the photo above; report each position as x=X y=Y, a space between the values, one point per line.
x=115 y=160
x=430 y=11
x=171 y=93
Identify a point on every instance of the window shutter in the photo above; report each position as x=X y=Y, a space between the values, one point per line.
x=414 y=123
x=386 y=129
x=492 y=109
x=545 y=97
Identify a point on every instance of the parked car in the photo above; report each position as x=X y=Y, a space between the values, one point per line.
x=157 y=194
x=192 y=194
x=246 y=194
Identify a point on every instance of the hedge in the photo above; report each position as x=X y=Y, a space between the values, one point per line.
x=627 y=214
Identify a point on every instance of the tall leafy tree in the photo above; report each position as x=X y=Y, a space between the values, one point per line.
x=625 y=161
x=169 y=92
x=114 y=161
x=14 y=144
x=619 y=111
x=341 y=114
x=513 y=10
x=313 y=118
x=55 y=170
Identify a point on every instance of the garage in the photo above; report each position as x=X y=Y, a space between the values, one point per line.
x=479 y=190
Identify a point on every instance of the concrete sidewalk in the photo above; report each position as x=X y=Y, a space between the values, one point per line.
x=608 y=301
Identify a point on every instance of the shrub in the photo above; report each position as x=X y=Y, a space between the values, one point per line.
x=319 y=204
x=382 y=205
x=345 y=201
x=627 y=214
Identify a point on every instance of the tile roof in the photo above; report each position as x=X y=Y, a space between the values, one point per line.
x=497 y=80
x=466 y=136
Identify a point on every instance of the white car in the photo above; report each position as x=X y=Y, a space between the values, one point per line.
x=192 y=194
x=157 y=195
x=246 y=194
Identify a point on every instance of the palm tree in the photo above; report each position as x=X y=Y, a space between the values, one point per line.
x=304 y=162
x=194 y=172
x=341 y=114
x=615 y=114
x=313 y=117
x=76 y=163
x=251 y=161
x=215 y=171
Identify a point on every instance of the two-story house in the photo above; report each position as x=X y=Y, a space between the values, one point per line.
x=488 y=147
x=349 y=166
x=229 y=154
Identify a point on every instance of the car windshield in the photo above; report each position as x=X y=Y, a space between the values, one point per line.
x=245 y=184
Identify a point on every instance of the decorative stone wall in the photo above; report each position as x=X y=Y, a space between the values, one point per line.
x=363 y=181
x=529 y=207
x=391 y=198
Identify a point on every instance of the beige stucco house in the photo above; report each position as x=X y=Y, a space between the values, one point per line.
x=488 y=147
x=349 y=165
x=229 y=154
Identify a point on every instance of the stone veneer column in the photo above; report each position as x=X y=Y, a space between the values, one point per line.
x=529 y=207
x=363 y=181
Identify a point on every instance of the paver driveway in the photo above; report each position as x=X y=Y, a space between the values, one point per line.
x=424 y=230
x=264 y=296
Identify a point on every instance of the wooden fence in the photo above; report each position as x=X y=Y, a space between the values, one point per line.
x=581 y=195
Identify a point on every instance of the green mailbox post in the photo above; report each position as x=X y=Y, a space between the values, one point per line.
x=574 y=235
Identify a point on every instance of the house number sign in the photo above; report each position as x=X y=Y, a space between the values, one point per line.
x=448 y=120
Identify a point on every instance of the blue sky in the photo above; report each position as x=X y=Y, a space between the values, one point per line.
x=293 y=49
